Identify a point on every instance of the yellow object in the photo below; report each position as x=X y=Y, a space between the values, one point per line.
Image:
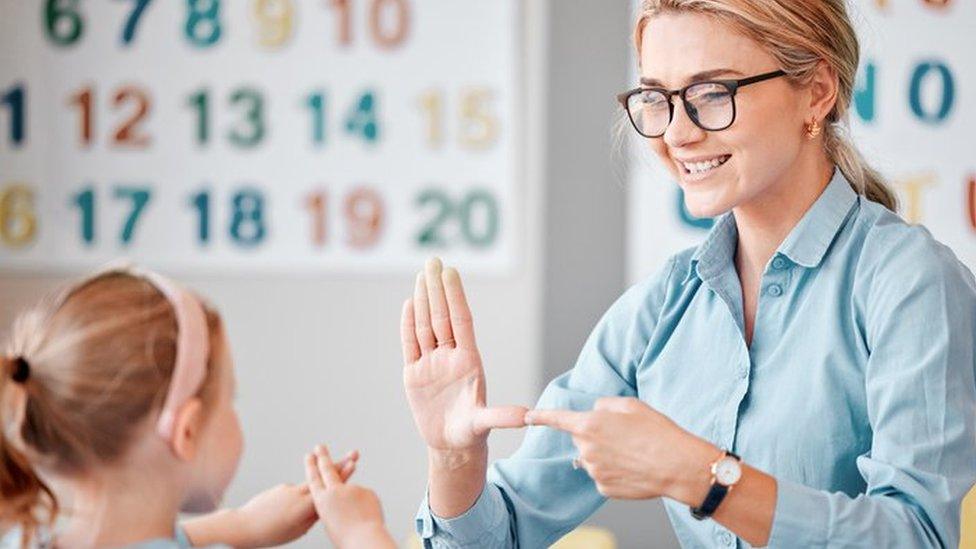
x=968 y=539
x=587 y=537
x=584 y=537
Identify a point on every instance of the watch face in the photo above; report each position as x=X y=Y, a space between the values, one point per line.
x=728 y=471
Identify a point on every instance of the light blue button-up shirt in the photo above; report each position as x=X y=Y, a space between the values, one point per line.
x=857 y=392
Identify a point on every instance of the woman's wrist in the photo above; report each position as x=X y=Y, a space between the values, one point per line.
x=693 y=478
x=449 y=460
x=456 y=479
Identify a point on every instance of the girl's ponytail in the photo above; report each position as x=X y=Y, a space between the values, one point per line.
x=25 y=500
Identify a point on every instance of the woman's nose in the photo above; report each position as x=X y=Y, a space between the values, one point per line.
x=682 y=131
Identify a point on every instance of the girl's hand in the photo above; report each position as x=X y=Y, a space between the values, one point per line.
x=352 y=514
x=273 y=517
x=276 y=516
x=632 y=451
x=442 y=374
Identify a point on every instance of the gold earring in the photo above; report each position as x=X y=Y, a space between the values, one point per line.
x=813 y=130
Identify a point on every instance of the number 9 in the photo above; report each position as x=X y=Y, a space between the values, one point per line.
x=364 y=216
x=275 y=20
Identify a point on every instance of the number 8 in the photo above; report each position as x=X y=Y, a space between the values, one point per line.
x=209 y=16
x=248 y=213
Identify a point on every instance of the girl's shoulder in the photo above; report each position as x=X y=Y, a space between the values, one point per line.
x=13 y=539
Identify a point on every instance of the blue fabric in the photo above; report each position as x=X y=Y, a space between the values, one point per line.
x=857 y=392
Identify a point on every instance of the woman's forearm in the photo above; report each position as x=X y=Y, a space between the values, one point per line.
x=457 y=478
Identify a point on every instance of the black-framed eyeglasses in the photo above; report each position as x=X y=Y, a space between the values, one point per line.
x=709 y=104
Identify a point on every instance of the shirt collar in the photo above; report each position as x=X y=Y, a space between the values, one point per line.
x=806 y=244
x=716 y=251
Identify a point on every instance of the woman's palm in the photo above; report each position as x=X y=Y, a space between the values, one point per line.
x=443 y=374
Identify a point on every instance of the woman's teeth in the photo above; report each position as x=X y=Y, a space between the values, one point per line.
x=702 y=167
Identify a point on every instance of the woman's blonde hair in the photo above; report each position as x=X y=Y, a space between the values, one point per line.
x=799 y=34
x=97 y=361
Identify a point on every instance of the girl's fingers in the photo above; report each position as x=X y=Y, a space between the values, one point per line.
x=440 y=317
x=347 y=466
x=408 y=334
x=421 y=316
x=347 y=470
x=312 y=475
x=327 y=469
x=462 y=325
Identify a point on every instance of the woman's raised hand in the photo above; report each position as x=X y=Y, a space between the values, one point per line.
x=442 y=374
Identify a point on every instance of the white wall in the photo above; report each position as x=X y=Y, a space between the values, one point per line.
x=318 y=357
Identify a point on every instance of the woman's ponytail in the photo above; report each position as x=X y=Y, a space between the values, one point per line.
x=865 y=179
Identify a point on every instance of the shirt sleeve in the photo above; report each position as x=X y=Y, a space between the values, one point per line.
x=535 y=497
x=919 y=326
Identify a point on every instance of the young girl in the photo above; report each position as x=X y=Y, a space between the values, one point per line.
x=116 y=408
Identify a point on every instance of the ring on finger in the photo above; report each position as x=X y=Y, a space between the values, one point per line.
x=577 y=463
x=446 y=342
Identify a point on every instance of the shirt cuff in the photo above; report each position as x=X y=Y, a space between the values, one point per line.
x=801 y=518
x=484 y=517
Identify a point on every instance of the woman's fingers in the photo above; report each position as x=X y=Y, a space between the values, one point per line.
x=564 y=420
x=327 y=469
x=462 y=325
x=440 y=318
x=421 y=316
x=499 y=417
x=408 y=334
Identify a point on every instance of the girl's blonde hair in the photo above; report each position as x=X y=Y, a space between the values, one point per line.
x=799 y=35
x=100 y=358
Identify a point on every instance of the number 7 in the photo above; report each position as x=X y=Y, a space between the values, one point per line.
x=140 y=198
x=130 y=25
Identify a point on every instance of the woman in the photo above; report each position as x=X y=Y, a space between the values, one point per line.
x=804 y=377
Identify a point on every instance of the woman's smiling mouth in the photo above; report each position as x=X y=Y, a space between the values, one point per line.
x=702 y=166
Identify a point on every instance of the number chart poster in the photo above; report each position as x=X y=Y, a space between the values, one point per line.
x=913 y=118
x=272 y=135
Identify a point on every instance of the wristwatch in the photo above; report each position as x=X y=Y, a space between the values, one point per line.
x=726 y=471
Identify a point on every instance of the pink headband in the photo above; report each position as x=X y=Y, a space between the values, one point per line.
x=192 y=348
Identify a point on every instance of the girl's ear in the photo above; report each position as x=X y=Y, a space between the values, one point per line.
x=187 y=427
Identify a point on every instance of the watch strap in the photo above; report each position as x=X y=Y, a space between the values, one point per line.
x=716 y=493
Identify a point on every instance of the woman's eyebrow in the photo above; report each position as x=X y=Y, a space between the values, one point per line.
x=697 y=77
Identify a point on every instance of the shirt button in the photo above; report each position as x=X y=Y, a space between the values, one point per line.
x=726 y=538
x=774 y=290
x=779 y=263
